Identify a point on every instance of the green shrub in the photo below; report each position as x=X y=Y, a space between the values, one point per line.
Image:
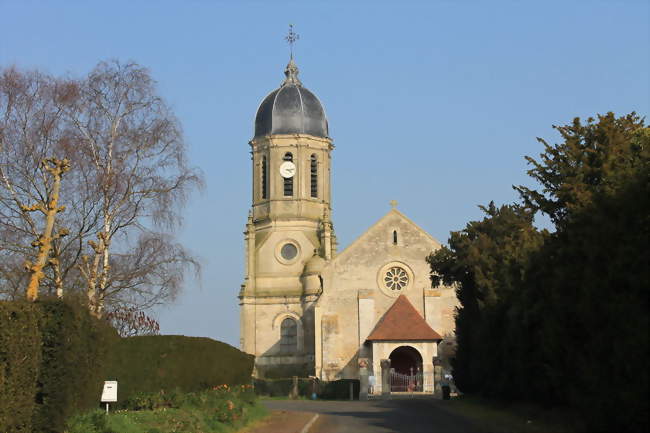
x=282 y=387
x=168 y=362
x=75 y=345
x=334 y=390
x=339 y=389
x=20 y=359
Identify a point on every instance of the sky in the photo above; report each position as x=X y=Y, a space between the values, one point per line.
x=433 y=104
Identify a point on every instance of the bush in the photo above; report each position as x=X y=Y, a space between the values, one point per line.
x=20 y=359
x=282 y=387
x=334 y=390
x=149 y=364
x=339 y=389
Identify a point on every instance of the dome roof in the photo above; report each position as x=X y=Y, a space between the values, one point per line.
x=291 y=109
x=314 y=265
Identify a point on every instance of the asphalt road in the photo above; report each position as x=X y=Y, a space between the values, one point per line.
x=378 y=416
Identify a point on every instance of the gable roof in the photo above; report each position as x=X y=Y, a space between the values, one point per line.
x=375 y=226
x=402 y=322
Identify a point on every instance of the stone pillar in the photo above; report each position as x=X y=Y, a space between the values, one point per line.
x=437 y=377
x=363 y=379
x=385 y=378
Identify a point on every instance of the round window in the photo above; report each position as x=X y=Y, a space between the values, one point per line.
x=396 y=278
x=288 y=251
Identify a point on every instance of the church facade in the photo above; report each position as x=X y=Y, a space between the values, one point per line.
x=307 y=309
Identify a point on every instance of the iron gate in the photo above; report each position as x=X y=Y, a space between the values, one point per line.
x=400 y=382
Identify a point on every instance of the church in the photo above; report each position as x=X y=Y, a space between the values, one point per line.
x=307 y=308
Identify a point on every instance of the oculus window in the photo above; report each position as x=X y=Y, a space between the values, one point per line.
x=288 y=251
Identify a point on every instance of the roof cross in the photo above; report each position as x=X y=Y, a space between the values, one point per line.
x=291 y=38
x=393 y=203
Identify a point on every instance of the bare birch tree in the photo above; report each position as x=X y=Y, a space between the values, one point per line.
x=123 y=197
x=133 y=145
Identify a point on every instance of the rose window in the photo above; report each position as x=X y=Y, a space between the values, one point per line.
x=396 y=278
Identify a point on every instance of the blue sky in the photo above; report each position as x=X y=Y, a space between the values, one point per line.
x=433 y=104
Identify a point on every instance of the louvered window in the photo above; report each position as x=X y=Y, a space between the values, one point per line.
x=314 y=176
x=264 y=174
x=288 y=181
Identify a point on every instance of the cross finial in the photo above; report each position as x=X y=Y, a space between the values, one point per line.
x=393 y=203
x=291 y=38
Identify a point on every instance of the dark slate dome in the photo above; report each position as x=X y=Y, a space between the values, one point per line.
x=291 y=109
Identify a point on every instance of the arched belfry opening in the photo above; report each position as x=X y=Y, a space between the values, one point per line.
x=406 y=360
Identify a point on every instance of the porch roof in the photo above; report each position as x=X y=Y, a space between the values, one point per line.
x=403 y=322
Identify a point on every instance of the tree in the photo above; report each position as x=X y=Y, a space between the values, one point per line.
x=594 y=158
x=133 y=146
x=49 y=207
x=551 y=317
x=31 y=132
x=130 y=322
x=129 y=182
x=486 y=262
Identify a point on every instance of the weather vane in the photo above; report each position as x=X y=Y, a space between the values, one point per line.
x=291 y=38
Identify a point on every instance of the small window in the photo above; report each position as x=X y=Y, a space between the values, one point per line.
x=314 y=176
x=394 y=237
x=288 y=181
x=288 y=336
x=288 y=251
x=264 y=172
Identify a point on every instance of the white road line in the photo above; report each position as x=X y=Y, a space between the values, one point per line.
x=306 y=428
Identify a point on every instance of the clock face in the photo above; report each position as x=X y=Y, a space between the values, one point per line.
x=287 y=169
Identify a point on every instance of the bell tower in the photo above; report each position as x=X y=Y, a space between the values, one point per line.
x=288 y=225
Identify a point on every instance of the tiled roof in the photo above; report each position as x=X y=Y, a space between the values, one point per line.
x=402 y=322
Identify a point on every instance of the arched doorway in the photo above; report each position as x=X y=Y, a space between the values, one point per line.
x=405 y=360
x=406 y=370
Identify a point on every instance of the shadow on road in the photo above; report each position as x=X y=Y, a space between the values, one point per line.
x=380 y=416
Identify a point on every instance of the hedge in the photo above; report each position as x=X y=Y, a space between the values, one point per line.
x=55 y=356
x=75 y=345
x=20 y=359
x=334 y=390
x=168 y=362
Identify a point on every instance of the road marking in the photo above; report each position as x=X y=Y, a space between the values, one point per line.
x=306 y=428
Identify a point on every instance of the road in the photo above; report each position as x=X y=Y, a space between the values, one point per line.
x=378 y=416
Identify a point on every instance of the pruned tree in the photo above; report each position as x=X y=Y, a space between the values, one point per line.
x=31 y=167
x=49 y=207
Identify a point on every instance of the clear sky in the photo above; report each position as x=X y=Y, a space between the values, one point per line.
x=433 y=104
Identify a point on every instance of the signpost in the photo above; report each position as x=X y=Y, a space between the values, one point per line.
x=109 y=394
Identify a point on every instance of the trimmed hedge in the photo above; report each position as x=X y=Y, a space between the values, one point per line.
x=51 y=354
x=55 y=356
x=169 y=362
x=20 y=359
x=74 y=361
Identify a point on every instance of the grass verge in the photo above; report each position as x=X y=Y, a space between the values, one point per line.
x=514 y=417
x=213 y=411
